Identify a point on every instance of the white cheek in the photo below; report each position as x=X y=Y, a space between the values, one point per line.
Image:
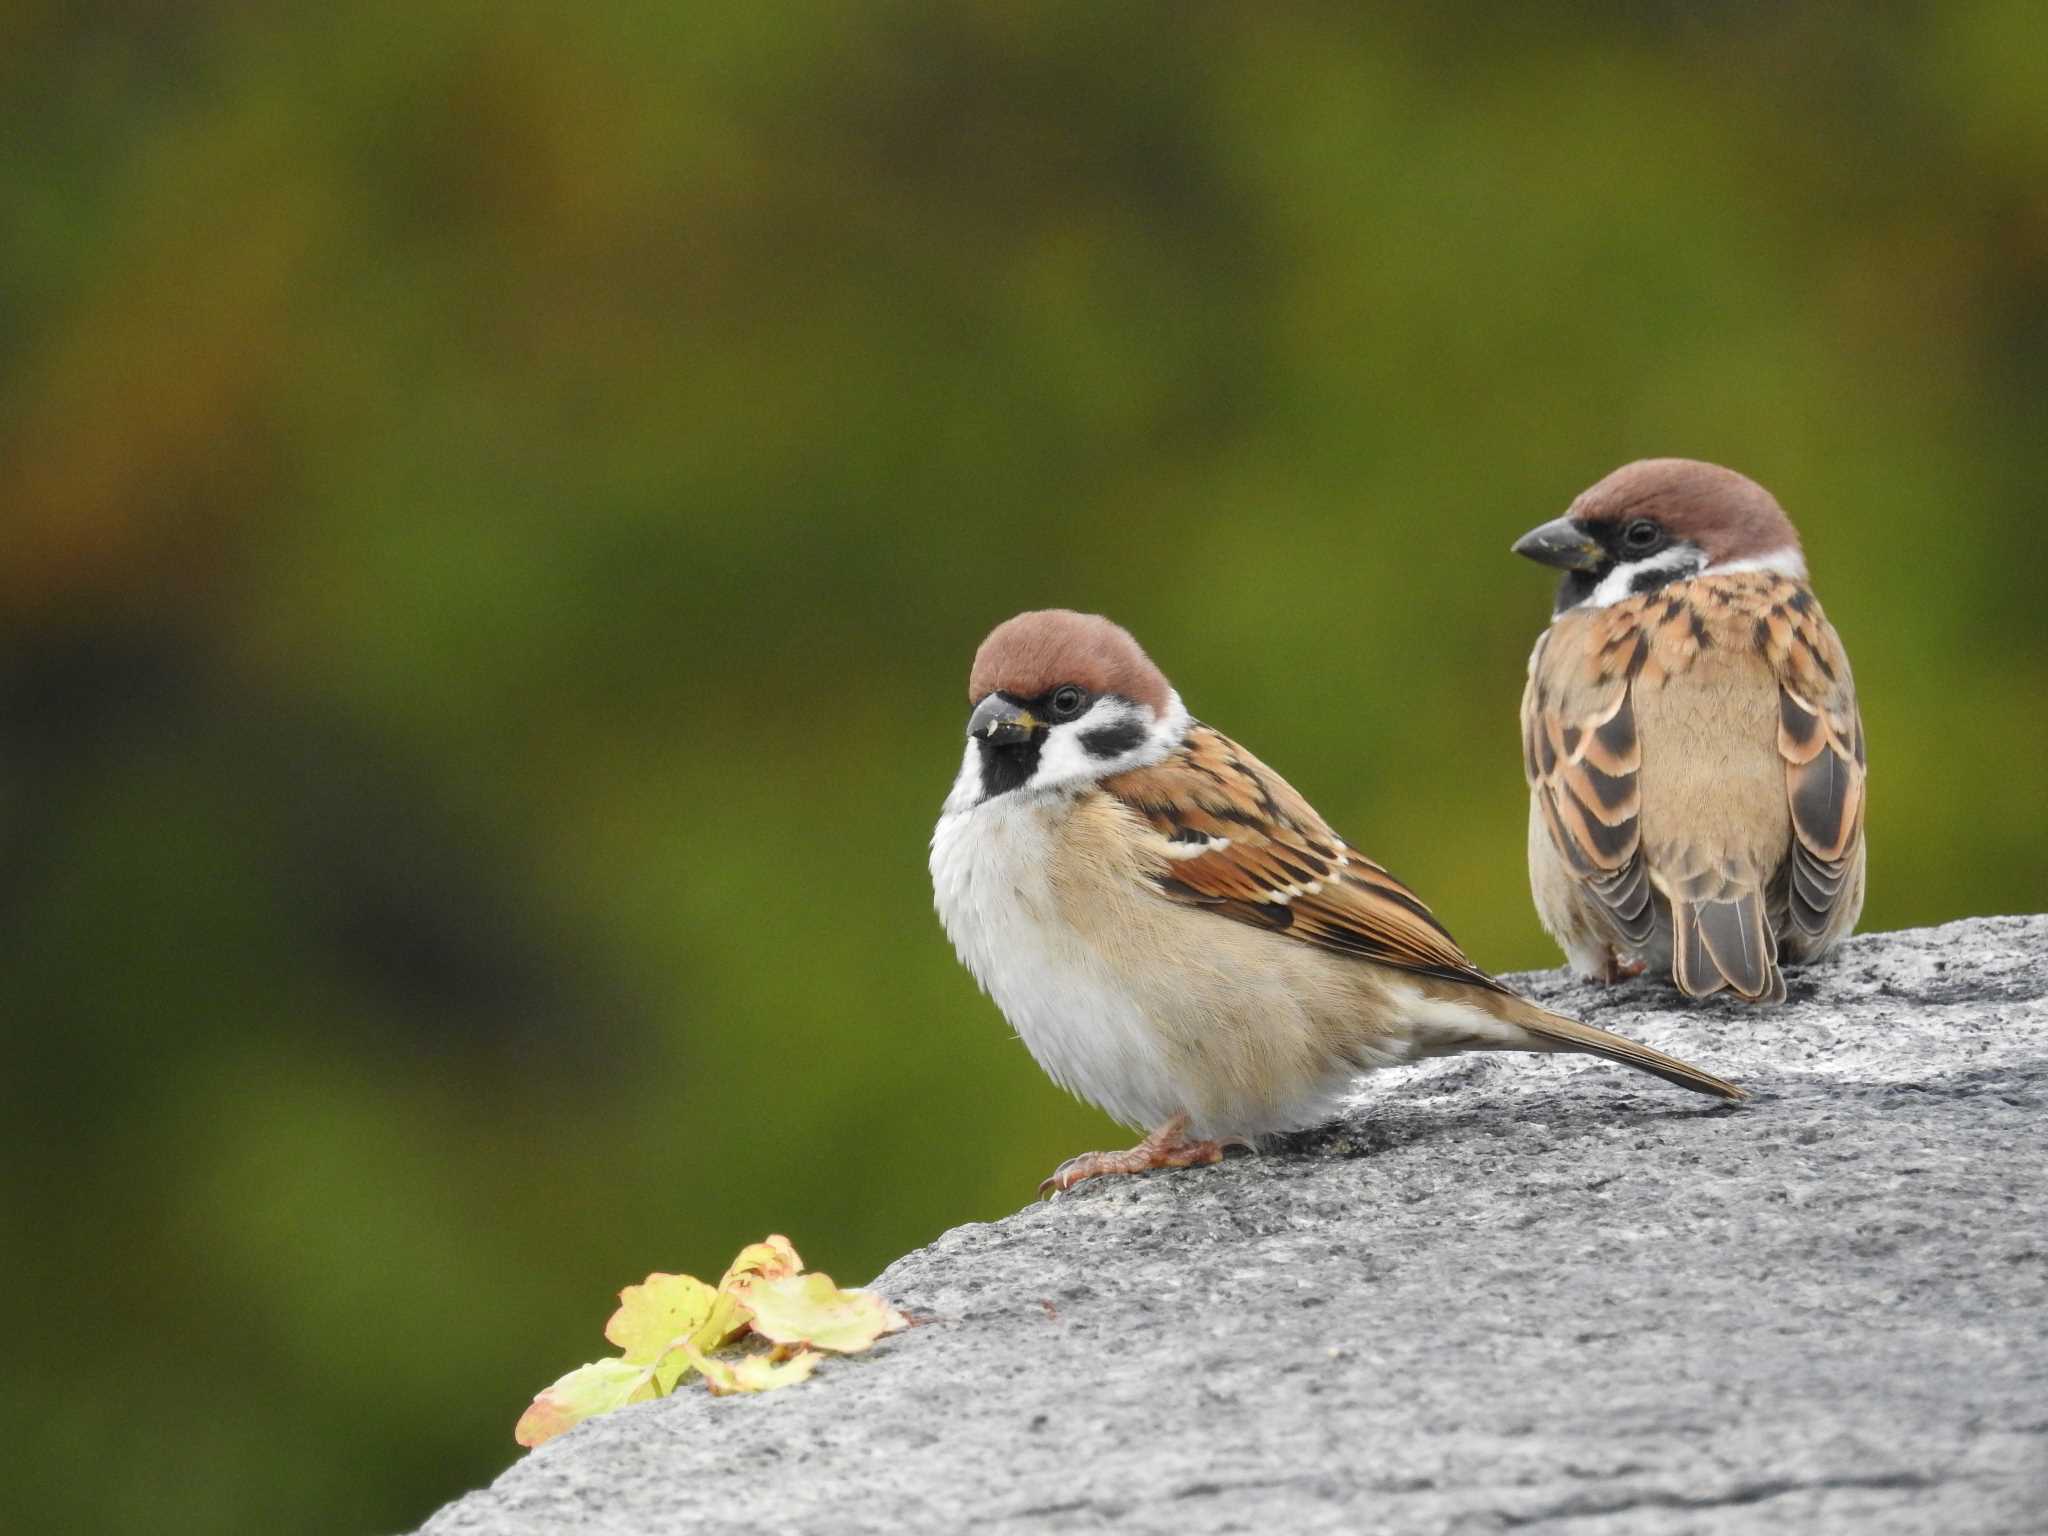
x=1676 y=563
x=1063 y=762
x=1612 y=589
x=1779 y=562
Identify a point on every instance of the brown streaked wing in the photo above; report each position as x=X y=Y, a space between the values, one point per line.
x=1581 y=758
x=1820 y=736
x=1244 y=844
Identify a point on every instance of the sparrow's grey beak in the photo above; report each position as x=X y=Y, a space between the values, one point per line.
x=999 y=722
x=1562 y=543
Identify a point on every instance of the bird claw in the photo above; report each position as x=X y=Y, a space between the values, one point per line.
x=1164 y=1148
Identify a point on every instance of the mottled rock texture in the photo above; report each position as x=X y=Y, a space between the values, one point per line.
x=1509 y=1293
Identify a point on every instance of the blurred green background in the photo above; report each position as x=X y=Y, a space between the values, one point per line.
x=498 y=506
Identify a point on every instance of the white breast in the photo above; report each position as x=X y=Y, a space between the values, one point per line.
x=1079 y=1021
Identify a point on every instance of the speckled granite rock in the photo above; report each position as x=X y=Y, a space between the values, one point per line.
x=1509 y=1293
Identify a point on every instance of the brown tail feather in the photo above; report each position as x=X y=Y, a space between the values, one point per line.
x=1717 y=944
x=1553 y=1031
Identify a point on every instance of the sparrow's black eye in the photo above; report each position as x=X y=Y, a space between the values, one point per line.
x=1642 y=536
x=1068 y=702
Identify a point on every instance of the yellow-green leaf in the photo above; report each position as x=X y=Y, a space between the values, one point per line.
x=769 y=1259
x=810 y=1309
x=729 y=1319
x=585 y=1392
x=658 y=1316
x=752 y=1373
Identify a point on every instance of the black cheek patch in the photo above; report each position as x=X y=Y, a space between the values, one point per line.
x=1113 y=740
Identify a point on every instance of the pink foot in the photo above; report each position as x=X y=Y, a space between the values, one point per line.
x=1167 y=1147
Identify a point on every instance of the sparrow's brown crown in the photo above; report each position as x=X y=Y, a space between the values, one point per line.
x=1728 y=515
x=1034 y=653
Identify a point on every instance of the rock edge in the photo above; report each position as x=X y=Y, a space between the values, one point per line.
x=1503 y=1294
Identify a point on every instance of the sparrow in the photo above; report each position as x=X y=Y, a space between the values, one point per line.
x=1691 y=740
x=1177 y=936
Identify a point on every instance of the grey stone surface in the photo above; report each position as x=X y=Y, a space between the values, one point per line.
x=1507 y=1294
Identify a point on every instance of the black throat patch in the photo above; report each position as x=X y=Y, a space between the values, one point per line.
x=1577 y=586
x=1009 y=765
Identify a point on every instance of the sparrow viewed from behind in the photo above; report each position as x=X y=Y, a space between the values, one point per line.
x=1176 y=935
x=1691 y=739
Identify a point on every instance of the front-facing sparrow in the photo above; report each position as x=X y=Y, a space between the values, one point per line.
x=1176 y=935
x=1691 y=738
